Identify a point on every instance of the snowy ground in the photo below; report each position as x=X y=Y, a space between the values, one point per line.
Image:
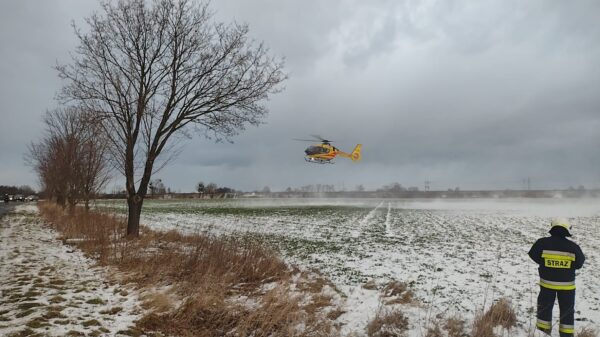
x=49 y=289
x=457 y=255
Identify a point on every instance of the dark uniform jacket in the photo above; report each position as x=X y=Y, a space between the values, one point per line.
x=558 y=258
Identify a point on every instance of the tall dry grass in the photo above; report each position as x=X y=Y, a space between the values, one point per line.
x=500 y=313
x=587 y=332
x=455 y=327
x=388 y=323
x=208 y=276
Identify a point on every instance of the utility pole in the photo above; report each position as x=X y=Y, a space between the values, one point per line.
x=527 y=184
x=427 y=182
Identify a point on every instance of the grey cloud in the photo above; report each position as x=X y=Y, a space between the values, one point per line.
x=462 y=93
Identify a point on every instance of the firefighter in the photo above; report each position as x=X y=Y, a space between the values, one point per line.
x=558 y=258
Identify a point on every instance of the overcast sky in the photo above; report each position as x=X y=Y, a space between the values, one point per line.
x=475 y=94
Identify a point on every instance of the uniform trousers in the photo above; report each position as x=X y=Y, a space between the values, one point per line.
x=566 y=304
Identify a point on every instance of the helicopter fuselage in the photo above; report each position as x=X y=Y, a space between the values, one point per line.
x=321 y=153
x=324 y=153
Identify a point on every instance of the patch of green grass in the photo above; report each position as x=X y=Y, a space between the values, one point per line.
x=131 y=332
x=57 y=282
x=24 y=313
x=112 y=311
x=57 y=299
x=62 y=321
x=37 y=323
x=53 y=314
x=91 y=322
x=97 y=301
x=6 y=292
x=73 y=304
x=32 y=293
x=23 y=333
x=24 y=278
x=29 y=305
x=226 y=207
x=14 y=298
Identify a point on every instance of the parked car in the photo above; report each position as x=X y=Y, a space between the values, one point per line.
x=31 y=198
x=19 y=197
x=11 y=197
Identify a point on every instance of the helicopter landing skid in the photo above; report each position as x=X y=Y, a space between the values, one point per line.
x=318 y=161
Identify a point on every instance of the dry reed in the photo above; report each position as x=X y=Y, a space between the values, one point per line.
x=207 y=274
x=587 y=332
x=500 y=313
x=455 y=327
x=388 y=323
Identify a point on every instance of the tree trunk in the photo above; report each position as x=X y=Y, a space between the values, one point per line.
x=133 y=220
x=60 y=200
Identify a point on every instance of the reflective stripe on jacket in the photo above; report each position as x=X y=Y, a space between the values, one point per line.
x=558 y=258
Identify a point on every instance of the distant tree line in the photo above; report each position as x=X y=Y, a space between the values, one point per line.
x=328 y=188
x=24 y=190
x=396 y=187
x=212 y=189
x=313 y=188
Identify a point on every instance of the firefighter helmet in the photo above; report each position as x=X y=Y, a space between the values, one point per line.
x=561 y=222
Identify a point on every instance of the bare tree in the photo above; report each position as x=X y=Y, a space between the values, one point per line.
x=153 y=71
x=91 y=170
x=200 y=187
x=158 y=188
x=70 y=158
x=211 y=188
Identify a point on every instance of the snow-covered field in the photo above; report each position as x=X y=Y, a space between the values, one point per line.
x=50 y=289
x=457 y=255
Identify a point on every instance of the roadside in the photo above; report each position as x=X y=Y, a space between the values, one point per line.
x=200 y=285
x=5 y=208
x=50 y=289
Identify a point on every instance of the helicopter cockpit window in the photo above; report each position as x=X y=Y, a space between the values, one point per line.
x=316 y=150
x=312 y=150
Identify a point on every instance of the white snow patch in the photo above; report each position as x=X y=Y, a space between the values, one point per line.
x=457 y=255
x=38 y=272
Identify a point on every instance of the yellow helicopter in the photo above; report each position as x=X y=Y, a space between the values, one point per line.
x=324 y=153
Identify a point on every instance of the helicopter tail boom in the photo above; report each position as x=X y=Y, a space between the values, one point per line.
x=354 y=155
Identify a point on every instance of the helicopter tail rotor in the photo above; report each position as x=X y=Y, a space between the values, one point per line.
x=355 y=154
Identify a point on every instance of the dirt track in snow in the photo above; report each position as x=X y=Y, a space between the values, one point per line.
x=49 y=289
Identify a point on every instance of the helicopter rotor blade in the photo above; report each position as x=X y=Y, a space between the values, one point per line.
x=322 y=139
x=306 y=140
